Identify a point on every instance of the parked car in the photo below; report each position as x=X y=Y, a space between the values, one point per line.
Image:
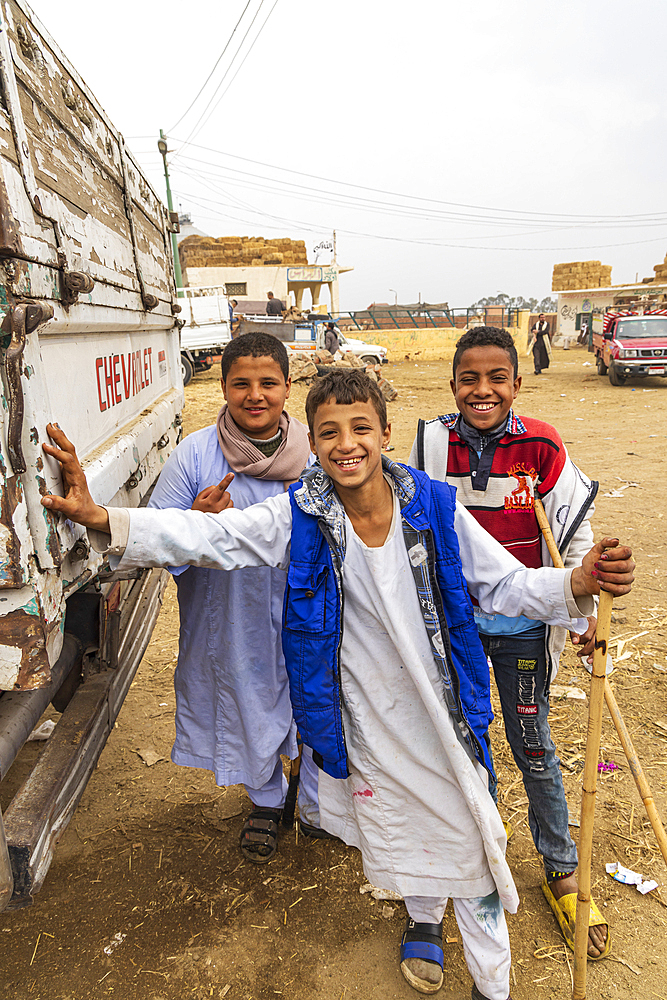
x=632 y=345
x=373 y=353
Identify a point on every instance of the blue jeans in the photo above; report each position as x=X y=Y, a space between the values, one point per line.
x=520 y=667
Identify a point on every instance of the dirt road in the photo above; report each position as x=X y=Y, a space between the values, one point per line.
x=148 y=898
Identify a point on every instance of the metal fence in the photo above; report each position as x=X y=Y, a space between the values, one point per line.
x=406 y=319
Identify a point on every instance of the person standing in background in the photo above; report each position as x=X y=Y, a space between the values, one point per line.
x=541 y=345
x=274 y=306
x=331 y=341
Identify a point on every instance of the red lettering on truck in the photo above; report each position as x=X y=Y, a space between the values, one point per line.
x=116 y=379
x=98 y=364
x=124 y=375
x=108 y=380
x=126 y=379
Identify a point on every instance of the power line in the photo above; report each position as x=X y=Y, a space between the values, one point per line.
x=308 y=227
x=197 y=127
x=308 y=193
x=411 y=197
x=217 y=62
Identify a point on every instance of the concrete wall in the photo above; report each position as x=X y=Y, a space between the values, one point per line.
x=571 y=304
x=431 y=343
x=260 y=280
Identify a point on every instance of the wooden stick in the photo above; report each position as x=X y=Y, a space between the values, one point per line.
x=630 y=753
x=293 y=788
x=636 y=770
x=588 y=793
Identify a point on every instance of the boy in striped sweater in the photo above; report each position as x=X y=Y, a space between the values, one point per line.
x=499 y=462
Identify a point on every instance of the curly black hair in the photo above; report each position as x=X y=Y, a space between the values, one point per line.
x=486 y=336
x=345 y=386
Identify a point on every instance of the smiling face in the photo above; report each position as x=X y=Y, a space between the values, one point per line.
x=348 y=440
x=485 y=387
x=255 y=390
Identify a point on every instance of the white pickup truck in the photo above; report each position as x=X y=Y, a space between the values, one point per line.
x=205 y=330
x=89 y=339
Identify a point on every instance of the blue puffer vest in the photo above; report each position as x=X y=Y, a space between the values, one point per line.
x=313 y=614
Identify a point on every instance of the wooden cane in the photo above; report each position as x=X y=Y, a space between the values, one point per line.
x=630 y=753
x=595 y=702
x=293 y=788
x=636 y=770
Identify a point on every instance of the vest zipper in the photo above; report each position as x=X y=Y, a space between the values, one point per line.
x=470 y=738
x=337 y=565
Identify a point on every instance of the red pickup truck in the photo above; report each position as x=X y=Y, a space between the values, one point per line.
x=632 y=345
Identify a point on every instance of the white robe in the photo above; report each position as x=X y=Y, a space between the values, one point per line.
x=233 y=710
x=416 y=804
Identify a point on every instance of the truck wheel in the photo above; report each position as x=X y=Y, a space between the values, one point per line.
x=614 y=377
x=186 y=369
x=368 y=359
x=602 y=368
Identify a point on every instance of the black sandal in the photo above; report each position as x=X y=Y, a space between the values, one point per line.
x=424 y=942
x=259 y=836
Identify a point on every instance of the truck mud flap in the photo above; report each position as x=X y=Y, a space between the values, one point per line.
x=45 y=803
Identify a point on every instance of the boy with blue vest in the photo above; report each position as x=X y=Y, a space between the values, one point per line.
x=388 y=679
x=499 y=462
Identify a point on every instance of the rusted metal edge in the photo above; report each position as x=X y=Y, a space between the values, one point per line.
x=20 y=710
x=150 y=301
x=46 y=801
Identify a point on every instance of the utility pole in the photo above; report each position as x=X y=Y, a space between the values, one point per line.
x=162 y=146
x=334 y=246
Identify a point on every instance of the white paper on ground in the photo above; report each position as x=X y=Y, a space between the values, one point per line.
x=628 y=877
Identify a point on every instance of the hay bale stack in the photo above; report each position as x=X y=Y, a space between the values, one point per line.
x=580 y=274
x=240 y=251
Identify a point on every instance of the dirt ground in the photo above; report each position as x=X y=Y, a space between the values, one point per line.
x=148 y=898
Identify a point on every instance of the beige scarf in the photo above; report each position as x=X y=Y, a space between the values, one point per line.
x=286 y=463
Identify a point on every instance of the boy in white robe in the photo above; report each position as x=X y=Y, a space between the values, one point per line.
x=414 y=796
x=233 y=711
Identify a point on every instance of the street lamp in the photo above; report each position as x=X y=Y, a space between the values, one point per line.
x=395 y=296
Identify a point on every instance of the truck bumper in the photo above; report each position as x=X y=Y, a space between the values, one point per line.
x=641 y=369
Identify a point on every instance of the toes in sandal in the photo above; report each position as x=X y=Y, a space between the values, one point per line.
x=565 y=910
x=422 y=957
x=259 y=836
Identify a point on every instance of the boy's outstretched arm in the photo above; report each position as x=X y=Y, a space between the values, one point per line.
x=131 y=537
x=608 y=566
x=77 y=504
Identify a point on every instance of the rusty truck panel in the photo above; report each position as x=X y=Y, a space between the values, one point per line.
x=89 y=339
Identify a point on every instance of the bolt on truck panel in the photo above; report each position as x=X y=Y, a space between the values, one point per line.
x=88 y=339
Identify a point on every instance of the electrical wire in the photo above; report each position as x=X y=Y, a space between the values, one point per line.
x=217 y=62
x=308 y=193
x=275 y=4
x=411 y=197
x=199 y=124
x=205 y=204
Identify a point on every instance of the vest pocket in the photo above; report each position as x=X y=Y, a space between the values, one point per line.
x=306 y=598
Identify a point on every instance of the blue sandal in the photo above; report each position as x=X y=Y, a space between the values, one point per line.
x=422 y=942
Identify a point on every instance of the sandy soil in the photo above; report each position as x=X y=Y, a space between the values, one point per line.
x=148 y=898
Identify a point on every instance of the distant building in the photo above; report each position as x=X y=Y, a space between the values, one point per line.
x=585 y=293
x=248 y=267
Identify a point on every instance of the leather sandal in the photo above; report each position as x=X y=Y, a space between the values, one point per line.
x=422 y=958
x=259 y=836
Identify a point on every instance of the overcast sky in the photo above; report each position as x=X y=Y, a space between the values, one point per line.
x=457 y=149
